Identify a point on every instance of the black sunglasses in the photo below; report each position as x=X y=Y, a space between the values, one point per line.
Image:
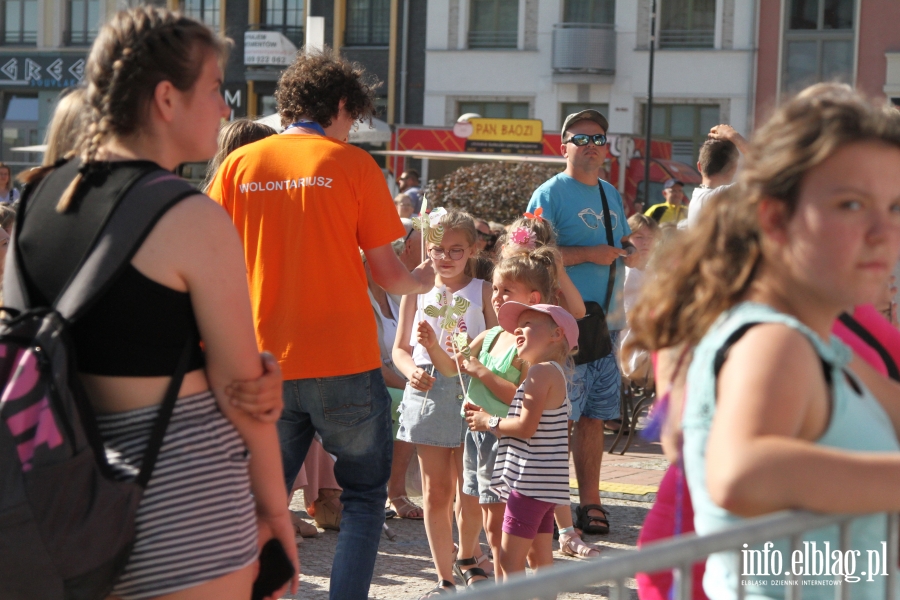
x=582 y=139
x=485 y=236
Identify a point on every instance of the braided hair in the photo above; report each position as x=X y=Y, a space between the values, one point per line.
x=135 y=51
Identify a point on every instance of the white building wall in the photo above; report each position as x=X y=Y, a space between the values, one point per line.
x=722 y=75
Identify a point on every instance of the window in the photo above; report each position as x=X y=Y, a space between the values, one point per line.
x=569 y=108
x=266 y=105
x=818 y=43
x=207 y=11
x=590 y=11
x=368 y=23
x=285 y=16
x=20 y=126
x=685 y=125
x=19 y=22
x=687 y=24
x=494 y=24
x=84 y=19
x=495 y=110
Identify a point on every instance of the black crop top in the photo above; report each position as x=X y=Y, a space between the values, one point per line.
x=138 y=327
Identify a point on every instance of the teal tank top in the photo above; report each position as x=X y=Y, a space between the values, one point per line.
x=858 y=422
x=500 y=365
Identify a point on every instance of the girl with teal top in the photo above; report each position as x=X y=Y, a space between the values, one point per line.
x=779 y=414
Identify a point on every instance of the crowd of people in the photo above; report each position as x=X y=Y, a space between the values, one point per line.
x=333 y=336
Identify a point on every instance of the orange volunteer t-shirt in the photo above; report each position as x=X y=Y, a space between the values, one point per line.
x=303 y=206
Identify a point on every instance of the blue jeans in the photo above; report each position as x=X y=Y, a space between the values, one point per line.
x=352 y=415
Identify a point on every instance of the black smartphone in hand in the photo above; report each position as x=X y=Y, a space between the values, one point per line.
x=275 y=569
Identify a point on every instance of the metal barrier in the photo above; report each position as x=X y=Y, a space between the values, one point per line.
x=679 y=554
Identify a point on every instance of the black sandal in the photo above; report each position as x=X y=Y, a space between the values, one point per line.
x=470 y=573
x=585 y=522
x=443 y=587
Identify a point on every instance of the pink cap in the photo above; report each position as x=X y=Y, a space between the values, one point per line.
x=510 y=311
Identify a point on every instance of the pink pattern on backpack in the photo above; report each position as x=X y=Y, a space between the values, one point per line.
x=24 y=378
x=38 y=416
x=47 y=432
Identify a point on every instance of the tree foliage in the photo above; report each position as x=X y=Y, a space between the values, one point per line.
x=494 y=191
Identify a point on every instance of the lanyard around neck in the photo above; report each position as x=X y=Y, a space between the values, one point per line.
x=307 y=125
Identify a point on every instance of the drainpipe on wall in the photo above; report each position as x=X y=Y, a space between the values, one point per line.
x=404 y=59
x=649 y=107
x=754 y=60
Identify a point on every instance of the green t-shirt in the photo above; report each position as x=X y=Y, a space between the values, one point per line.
x=501 y=365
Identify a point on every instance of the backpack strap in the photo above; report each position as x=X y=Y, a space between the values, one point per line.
x=607 y=222
x=121 y=237
x=131 y=220
x=737 y=334
x=658 y=212
x=866 y=336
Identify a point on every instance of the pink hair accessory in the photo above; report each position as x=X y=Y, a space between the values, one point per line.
x=522 y=236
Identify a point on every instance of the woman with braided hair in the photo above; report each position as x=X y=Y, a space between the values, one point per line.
x=216 y=494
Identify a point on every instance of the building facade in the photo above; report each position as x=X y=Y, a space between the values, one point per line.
x=805 y=41
x=44 y=46
x=43 y=50
x=384 y=36
x=525 y=58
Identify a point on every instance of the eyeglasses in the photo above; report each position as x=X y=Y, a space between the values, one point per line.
x=440 y=253
x=582 y=139
x=487 y=237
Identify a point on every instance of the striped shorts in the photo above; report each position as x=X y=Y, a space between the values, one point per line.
x=197 y=519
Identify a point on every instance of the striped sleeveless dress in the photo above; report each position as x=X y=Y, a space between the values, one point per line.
x=537 y=467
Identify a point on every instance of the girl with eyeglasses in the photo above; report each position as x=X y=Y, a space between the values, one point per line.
x=431 y=411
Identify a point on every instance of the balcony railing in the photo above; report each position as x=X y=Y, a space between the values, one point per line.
x=79 y=38
x=493 y=39
x=292 y=32
x=19 y=38
x=584 y=48
x=687 y=38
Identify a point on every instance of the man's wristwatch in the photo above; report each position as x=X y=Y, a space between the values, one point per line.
x=492 y=424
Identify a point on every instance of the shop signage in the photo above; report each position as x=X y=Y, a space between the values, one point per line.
x=46 y=71
x=507 y=130
x=507 y=136
x=268 y=48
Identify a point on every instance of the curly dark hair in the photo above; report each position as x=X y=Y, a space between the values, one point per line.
x=314 y=85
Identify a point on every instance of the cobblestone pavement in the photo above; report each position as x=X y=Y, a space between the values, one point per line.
x=403 y=569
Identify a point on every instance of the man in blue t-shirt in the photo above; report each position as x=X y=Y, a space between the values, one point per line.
x=571 y=202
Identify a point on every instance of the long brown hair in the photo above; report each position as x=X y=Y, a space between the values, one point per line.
x=66 y=126
x=135 y=51
x=232 y=136
x=711 y=268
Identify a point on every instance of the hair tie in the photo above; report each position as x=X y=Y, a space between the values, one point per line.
x=536 y=215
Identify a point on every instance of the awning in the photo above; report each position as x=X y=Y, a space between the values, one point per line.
x=378 y=133
x=475 y=156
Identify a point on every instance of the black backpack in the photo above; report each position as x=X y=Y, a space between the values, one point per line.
x=67 y=525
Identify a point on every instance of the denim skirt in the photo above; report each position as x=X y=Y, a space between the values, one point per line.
x=433 y=420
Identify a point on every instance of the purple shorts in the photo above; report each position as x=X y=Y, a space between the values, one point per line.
x=526 y=517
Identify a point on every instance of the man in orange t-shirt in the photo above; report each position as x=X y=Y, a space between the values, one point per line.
x=304 y=203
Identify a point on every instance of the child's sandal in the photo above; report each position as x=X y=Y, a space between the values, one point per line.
x=572 y=545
